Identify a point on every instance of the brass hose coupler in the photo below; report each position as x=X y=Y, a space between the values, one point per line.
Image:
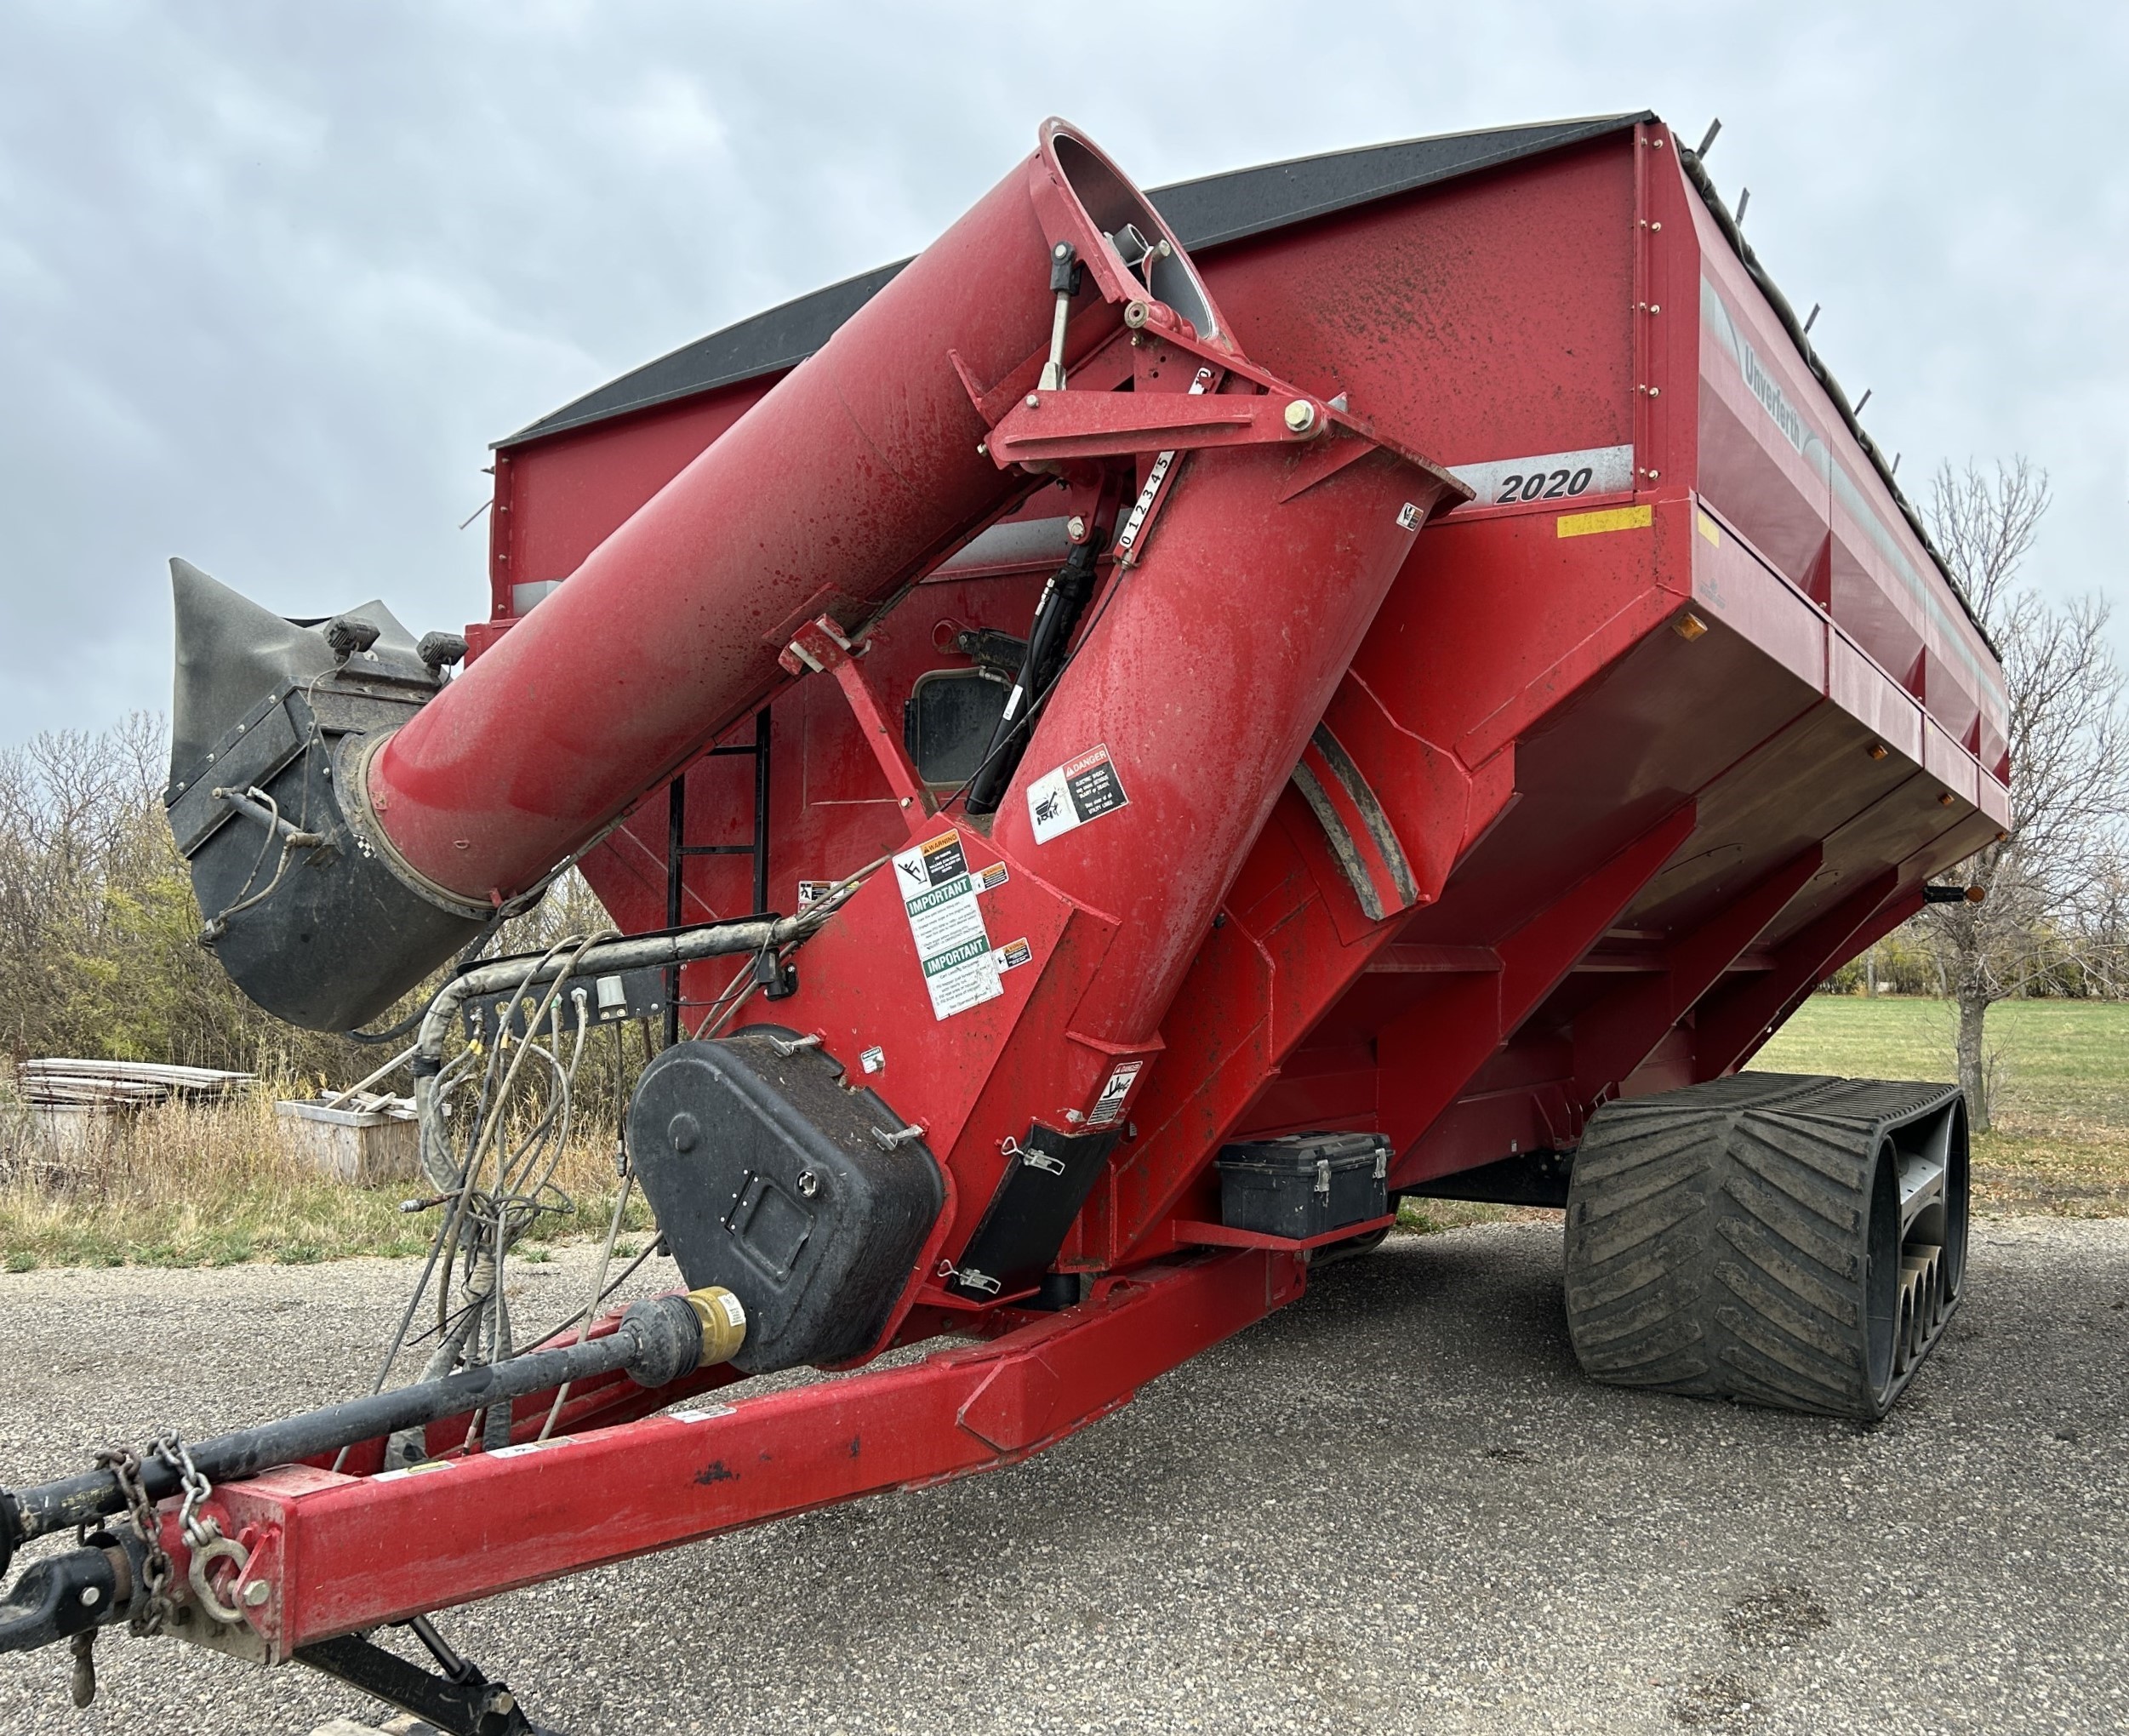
x=723 y=1318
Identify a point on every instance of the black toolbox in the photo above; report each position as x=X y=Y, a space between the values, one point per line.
x=1304 y=1185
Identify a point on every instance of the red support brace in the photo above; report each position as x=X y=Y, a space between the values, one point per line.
x=1731 y=1023
x=1429 y=1053
x=1615 y=1037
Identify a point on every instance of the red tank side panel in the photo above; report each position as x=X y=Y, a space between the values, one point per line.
x=1622 y=726
x=1640 y=835
x=1487 y=320
x=1778 y=464
x=559 y=499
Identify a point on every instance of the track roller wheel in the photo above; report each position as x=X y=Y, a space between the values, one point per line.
x=1788 y=1240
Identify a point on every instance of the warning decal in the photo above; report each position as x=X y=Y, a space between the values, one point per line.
x=1083 y=788
x=1109 y=1105
x=959 y=968
x=1014 y=954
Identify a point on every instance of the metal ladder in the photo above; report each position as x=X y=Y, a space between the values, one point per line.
x=677 y=849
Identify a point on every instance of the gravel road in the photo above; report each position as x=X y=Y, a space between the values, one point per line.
x=1396 y=1506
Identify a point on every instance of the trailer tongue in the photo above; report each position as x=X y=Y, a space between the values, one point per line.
x=1140 y=781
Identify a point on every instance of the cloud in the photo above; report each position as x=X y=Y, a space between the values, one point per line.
x=270 y=277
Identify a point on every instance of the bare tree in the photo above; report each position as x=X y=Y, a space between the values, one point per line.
x=99 y=929
x=2069 y=738
x=2100 y=925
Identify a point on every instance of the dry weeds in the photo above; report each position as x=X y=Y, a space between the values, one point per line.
x=216 y=1186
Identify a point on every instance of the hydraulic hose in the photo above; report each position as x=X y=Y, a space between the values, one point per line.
x=1064 y=600
x=718 y=940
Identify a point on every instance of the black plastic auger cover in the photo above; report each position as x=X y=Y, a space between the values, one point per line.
x=770 y=1177
x=326 y=936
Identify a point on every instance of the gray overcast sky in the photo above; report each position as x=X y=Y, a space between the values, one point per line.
x=271 y=276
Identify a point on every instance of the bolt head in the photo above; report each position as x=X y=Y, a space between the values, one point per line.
x=1035 y=401
x=808 y=1183
x=91 y=1596
x=257 y=1593
x=1076 y=527
x=1300 y=416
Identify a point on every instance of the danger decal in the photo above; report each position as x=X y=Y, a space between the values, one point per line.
x=1083 y=788
x=1109 y=1105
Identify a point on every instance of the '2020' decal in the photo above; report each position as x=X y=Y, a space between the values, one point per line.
x=1542 y=485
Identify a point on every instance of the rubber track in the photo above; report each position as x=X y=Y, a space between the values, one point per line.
x=1717 y=1239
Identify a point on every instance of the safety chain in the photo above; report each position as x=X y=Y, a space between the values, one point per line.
x=152 y=1607
x=198 y=1532
x=149 y=1610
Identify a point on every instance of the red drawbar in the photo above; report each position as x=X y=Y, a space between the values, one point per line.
x=339 y=1553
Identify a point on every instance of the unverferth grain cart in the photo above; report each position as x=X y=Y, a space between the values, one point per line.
x=1118 y=748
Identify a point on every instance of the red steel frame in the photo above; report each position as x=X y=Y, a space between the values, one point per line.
x=1620 y=779
x=340 y=1553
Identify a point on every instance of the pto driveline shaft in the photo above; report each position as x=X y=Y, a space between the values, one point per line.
x=658 y=1340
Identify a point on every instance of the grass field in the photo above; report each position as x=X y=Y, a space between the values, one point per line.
x=2061 y=1139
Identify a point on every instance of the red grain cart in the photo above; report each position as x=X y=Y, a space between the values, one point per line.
x=1091 y=854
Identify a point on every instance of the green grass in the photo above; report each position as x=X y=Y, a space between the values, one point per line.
x=2060 y=1141
x=1429 y=1217
x=2057 y=1061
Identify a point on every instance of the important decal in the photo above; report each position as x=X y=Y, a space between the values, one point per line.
x=952 y=947
x=1081 y=789
x=1109 y=1105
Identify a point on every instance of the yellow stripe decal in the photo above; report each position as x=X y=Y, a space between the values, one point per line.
x=1709 y=528
x=1595 y=523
